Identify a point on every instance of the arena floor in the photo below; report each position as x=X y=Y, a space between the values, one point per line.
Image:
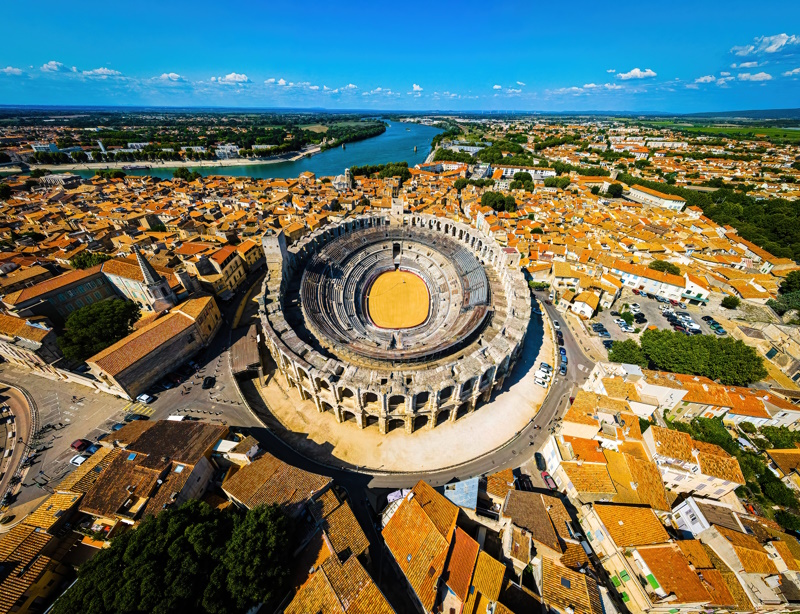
x=398 y=299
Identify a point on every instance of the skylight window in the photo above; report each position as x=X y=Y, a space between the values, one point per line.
x=131 y=456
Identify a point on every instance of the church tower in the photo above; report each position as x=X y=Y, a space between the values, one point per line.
x=159 y=294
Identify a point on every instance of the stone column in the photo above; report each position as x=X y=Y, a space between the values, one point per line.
x=337 y=411
x=382 y=424
x=360 y=419
x=409 y=424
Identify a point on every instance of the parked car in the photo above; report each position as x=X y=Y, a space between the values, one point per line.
x=707 y=319
x=636 y=292
x=679 y=328
x=563 y=369
x=644 y=295
x=549 y=481
x=78 y=460
x=208 y=382
x=544 y=366
x=635 y=306
x=562 y=351
x=145 y=398
x=682 y=305
x=134 y=417
x=541 y=465
x=564 y=360
x=542 y=375
x=560 y=341
x=720 y=331
x=117 y=426
x=607 y=344
x=615 y=313
x=92 y=449
x=556 y=325
x=604 y=333
x=540 y=382
x=79 y=445
x=673 y=302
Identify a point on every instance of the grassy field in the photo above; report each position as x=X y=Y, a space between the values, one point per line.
x=739 y=131
x=398 y=299
x=315 y=128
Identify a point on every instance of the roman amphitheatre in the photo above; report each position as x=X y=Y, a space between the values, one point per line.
x=400 y=322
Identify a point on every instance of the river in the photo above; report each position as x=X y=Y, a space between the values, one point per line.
x=395 y=145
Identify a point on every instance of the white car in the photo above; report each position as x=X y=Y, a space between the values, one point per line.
x=77 y=460
x=556 y=325
x=544 y=375
x=634 y=306
x=145 y=398
x=620 y=322
x=540 y=382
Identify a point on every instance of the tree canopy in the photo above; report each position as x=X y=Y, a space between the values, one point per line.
x=498 y=202
x=94 y=327
x=614 y=190
x=86 y=260
x=665 y=267
x=627 y=351
x=791 y=283
x=726 y=360
x=5 y=191
x=192 y=558
x=730 y=302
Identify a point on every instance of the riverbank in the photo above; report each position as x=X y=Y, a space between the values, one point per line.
x=410 y=143
x=162 y=164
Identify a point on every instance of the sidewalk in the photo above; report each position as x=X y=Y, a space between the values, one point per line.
x=585 y=342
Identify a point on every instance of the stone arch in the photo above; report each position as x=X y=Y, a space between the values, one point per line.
x=348 y=416
x=323 y=384
x=466 y=389
x=445 y=394
x=486 y=378
x=371 y=397
x=394 y=423
x=462 y=410
x=396 y=402
x=442 y=417
x=420 y=421
x=422 y=398
x=370 y=420
x=326 y=406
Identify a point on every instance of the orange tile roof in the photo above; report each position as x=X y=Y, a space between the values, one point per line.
x=672 y=571
x=463 y=555
x=632 y=526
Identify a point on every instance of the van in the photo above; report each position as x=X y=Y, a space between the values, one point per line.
x=176 y=418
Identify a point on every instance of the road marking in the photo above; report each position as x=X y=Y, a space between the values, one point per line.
x=141 y=409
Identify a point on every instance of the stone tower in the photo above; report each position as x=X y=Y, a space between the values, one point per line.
x=159 y=294
x=276 y=252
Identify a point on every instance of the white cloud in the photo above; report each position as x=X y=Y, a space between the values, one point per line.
x=612 y=86
x=171 y=76
x=520 y=83
x=692 y=86
x=637 y=73
x=611 y=70
x=313 y=87
x=512 y=90
x=723 y=81
x=270 y=81
x=350 y=86
x=232 y=78
x=706 y=79
x=497 y=87
x=52 y=66
x=725 y=74
x=589 y=86
x=281 y=81
x=10 y=70
x=101 y=72
x=767 y=44
x=416 y=88
x=759 y=76
x=792 y=73
x=744 y=65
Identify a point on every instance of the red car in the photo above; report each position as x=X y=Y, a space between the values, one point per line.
x=548 y=481
x=79 y=445
x=673 y=302
x=636 y=292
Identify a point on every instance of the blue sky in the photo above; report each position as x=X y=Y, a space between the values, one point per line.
x=704 y=55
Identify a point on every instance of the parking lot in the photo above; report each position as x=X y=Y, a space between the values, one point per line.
x=651 y=309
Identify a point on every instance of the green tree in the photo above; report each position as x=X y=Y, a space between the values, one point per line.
x=781 y=494
x=748 y=427
x=664 y=267
x=791 y=283
x=780 y=437
x=86 y=260
x=185 y=174
x=94 y=327
x=5 y=191
x=615 y=190
x=192 y=558
x=628 y=317
x=627 y=351
x=460 y=184
x=263 y=535
x=730 y=302
x=787 y=520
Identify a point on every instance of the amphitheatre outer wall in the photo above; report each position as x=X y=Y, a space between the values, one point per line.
x=386 y=393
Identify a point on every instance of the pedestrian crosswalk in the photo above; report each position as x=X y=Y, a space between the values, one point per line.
x=138 y=408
